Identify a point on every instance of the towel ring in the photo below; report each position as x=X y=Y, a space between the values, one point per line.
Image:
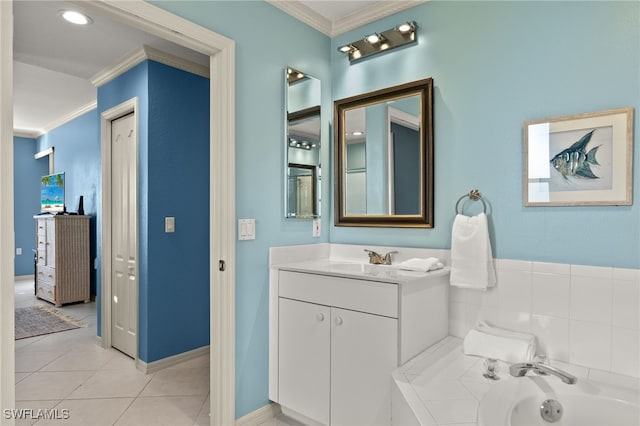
x=474 y=195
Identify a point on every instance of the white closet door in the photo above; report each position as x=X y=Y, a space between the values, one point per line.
x=124 y=280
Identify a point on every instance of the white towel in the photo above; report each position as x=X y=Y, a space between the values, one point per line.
x=497 y=343
x=471 y=258
x=421 y=265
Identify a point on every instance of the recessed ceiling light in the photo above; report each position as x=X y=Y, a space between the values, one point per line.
x=75 y=17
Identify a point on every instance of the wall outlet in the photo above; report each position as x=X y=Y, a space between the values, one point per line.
x=19 y=251
x=316 y=227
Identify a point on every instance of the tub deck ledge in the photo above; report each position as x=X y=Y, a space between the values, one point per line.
x=442 y=386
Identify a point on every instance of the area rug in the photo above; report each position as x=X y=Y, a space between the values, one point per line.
x=38 y=320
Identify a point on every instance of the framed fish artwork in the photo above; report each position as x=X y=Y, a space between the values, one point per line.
x=579 y=160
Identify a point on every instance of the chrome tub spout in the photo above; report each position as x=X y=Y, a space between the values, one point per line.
x=521 y=369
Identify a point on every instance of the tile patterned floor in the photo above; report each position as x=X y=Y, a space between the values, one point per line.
x=68 y=374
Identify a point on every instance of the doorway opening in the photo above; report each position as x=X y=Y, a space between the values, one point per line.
x=221 y=198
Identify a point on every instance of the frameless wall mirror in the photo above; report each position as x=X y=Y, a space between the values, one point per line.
x=302 y=145
x=384 y=157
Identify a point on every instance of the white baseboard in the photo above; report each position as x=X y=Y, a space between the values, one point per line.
x=154 y=366
x=259 y=416
x=24 y=277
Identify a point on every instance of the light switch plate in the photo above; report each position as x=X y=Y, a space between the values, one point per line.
x=169 y=224
x=316 y=227
x=246 y=229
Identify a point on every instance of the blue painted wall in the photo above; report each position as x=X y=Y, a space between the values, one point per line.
x=77 y=154
x=496 y=65
x=173 y=164
x=27 y=172
x=267 y=41
x=178 y=182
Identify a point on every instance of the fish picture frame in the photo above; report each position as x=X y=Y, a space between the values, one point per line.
x=579 y=160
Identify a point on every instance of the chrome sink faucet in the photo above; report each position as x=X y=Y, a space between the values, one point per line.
x=378 y=259
x=520 y=370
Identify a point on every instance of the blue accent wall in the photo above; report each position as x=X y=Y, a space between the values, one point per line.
x=27 y=172
x=173 y=180
x=406 y=160
x=496 y=65
x=178 y=183
x=77 y=154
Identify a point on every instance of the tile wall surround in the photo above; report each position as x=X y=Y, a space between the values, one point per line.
x=582 y=315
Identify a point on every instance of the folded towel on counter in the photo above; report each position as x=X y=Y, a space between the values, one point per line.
x=498 y=343
x=471 y=258
x=421 y=265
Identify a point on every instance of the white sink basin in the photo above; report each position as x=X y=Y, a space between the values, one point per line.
x=359 y=270
x=517 y=402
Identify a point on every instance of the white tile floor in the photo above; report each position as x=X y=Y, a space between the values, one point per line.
x=69 y=373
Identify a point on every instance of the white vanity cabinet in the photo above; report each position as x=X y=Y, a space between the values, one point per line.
x=335 y=339
x=330 y=355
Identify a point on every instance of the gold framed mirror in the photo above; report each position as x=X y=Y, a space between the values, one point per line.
x=384 y=157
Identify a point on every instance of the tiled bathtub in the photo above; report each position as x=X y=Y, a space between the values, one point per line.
x=442 y=386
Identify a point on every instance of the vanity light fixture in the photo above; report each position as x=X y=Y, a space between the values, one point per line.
x=406 y=27
x=294 y=143
x=401 y=35
x=293 y=75
x=373 y=38
x=75 y=17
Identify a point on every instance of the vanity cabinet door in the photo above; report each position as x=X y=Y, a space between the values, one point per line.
x=364 y=352
x=304 y=358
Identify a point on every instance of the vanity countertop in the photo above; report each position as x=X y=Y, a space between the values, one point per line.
x=358 y=270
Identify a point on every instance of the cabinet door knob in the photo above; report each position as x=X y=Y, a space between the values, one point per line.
x=338 y=321
x=320 y=316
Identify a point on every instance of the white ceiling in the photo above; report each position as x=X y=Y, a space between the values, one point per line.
x=54 y=61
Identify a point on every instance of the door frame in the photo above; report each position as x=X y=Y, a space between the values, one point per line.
x=221 y=180
x=221 y=50
x=7 y=237
x=127 y=107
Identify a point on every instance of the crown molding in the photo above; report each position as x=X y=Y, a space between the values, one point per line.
x=28 y=134
x=377 y=11
x=33 y=134
x=140 y=55
x=67 y=118
x=305 y=14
